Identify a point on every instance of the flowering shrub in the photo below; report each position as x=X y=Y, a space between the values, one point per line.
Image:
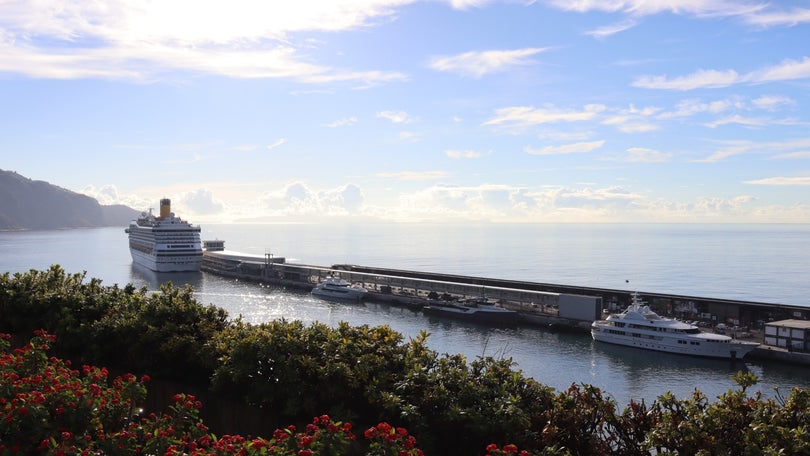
x=495 y=450
x=387 y=440
x=46 y=407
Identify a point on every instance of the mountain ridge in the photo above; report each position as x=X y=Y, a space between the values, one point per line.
x=27 y=204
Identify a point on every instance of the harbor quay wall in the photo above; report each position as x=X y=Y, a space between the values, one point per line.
x=564 y=306
x=387 y=286
x=738 y=315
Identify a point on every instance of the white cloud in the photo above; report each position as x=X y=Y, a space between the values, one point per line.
x=772 y=102
x=524 y=116
x=408 y=136
x=588 y=203
x=781 y=181
x=109 y=194
x=645 y=155
x=790 y=17
x=298 y=199
x=726 y=152
x=700 y=79
x=760 y=14
x=118 y=39
x=721 y=206
x=787 y=70
x=705 y=8
x=277 y=143
x=200 y=201
x=575 y=148
x=610 y=30
x=629 y=127
x=395 y=116
x=738 y=120
x=632 y=119
x=480 y=63
x=792 y=148
x=466 y=4
x=800 y=154
x=694 y=106
x=590 y=197
x=469 y=153
x=482 y=202
x=348 y=121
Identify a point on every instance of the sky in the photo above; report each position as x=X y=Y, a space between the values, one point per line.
x=413 y=111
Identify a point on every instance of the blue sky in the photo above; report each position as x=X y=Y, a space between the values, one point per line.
x=544 y=111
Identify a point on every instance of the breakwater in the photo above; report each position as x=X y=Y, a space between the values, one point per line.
x=538 y=303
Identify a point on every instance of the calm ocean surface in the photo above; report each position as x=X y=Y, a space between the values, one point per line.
x=766 y=263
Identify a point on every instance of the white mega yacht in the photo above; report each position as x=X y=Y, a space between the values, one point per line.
x=638 y=326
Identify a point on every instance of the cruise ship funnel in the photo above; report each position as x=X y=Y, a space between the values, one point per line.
x=165 y=208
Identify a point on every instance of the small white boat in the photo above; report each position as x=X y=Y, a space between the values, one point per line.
x=337 y=288
x=638 y=326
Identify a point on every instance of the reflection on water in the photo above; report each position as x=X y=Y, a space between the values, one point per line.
x=152 y=280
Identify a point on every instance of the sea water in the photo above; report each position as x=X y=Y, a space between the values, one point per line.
x=764 y=263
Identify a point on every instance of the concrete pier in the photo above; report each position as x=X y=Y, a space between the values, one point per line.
x=542 y=304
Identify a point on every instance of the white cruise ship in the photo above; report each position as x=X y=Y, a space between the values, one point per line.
x=638 y=326
x=165 y=243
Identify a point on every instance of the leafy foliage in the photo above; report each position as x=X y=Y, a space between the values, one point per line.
x=49 y=408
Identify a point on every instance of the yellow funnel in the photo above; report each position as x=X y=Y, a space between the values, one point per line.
x=165 y=207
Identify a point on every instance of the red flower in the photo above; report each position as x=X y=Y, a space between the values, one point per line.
x=306 y=441
x=510 y=448
x=370 y=433
x=306 y=452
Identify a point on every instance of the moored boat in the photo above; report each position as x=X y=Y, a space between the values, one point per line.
x=639 y=326
x=337 y=288
x=477 y=310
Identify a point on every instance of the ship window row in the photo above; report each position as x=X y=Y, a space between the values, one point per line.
x=653 y=328
x=690 y=342
x=165 y=238
x=647 y=336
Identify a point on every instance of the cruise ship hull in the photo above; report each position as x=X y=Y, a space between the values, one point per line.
x=167 y=263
